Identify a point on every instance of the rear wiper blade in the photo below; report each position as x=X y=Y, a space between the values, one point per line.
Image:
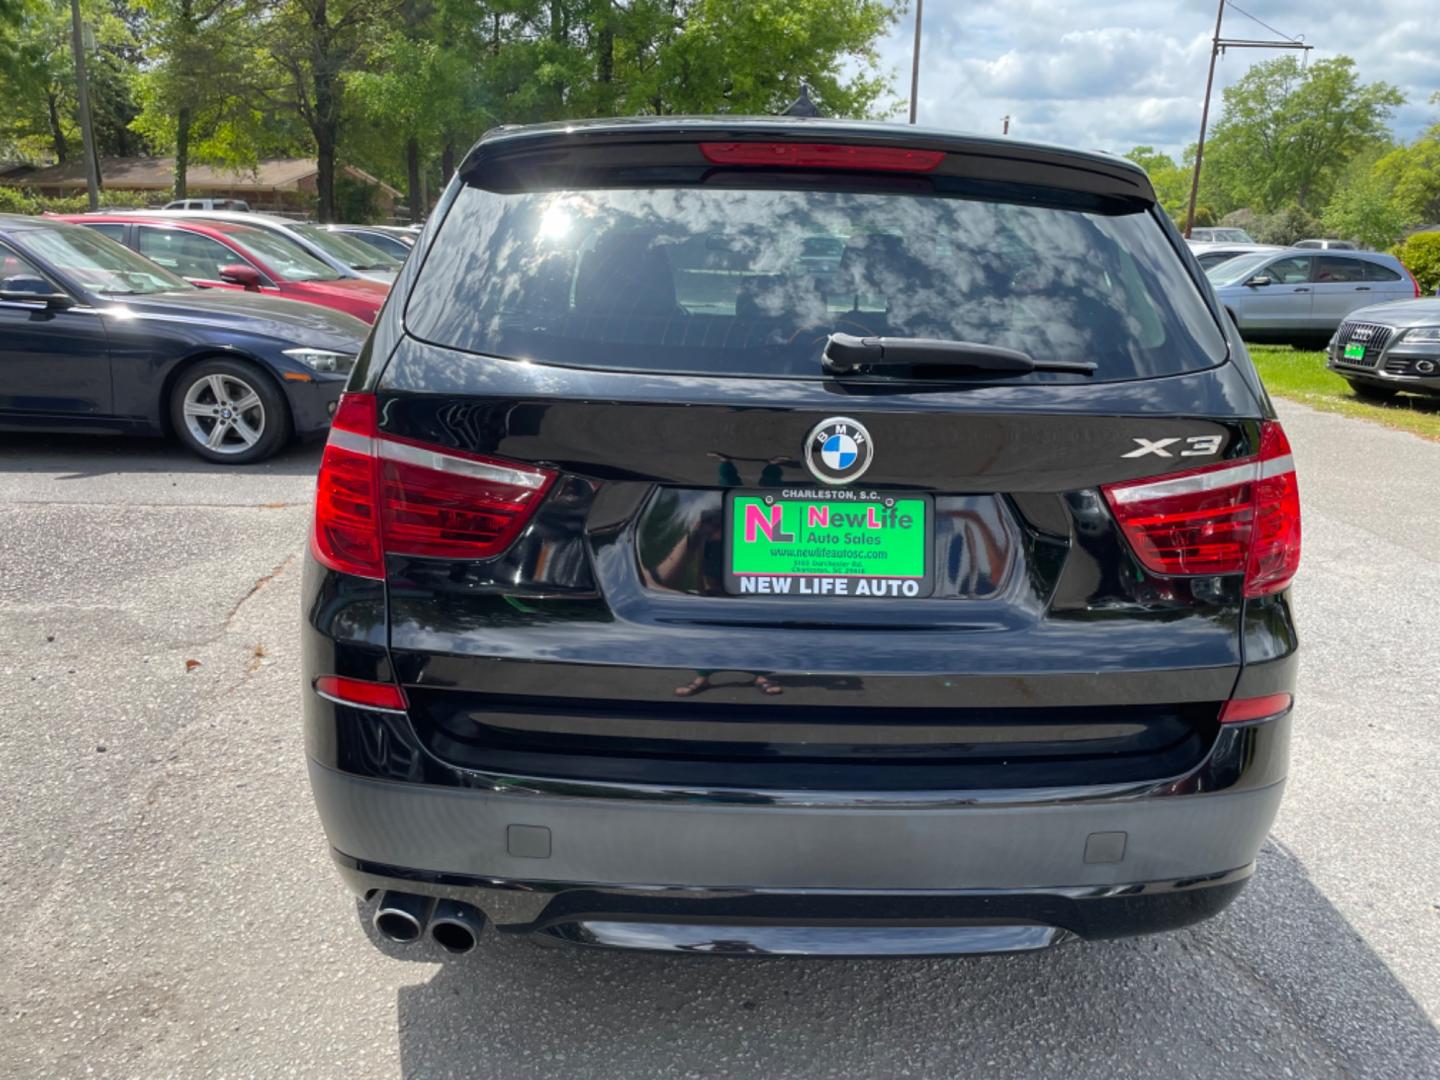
x=845 y=354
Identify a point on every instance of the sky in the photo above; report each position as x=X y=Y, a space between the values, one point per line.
x=1109 y=75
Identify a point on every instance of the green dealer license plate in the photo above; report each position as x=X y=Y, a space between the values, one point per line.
x=801 y=542
x=1354 y=352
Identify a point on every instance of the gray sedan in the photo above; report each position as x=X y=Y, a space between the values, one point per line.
x=1387 y=348
x=1302 y=296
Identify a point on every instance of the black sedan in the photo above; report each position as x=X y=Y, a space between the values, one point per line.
x=93 y=337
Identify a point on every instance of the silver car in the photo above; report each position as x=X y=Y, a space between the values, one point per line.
x=1387 y=348
x=1301 y=297
x=1210 y=256
x=341 y=253
x=1220 y=236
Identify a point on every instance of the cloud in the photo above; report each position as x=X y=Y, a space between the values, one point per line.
x=1113 y=75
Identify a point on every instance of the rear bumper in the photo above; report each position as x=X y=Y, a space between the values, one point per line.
x=976 y=872
x=817 y=922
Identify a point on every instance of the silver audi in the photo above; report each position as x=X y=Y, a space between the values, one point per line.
x=1385 y=348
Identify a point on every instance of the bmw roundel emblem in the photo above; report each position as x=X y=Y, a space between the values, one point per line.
x=839 y=450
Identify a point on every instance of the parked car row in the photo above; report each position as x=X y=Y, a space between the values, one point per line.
x=233 y=332
x=238 y=255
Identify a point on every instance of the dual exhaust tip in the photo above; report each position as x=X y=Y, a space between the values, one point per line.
x=403 y=918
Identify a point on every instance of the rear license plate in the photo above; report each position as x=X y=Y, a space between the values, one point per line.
x=829 y=543
x=1355 y=352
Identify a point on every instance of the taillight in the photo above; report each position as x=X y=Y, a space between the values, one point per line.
x=1238 y=517
x=822 y=156
x=377 y=495
x=361 y=692
x=346 y=532
x=1414 y=281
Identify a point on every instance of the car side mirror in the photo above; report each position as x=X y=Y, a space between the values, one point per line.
x=240 y=274
x=27 y=288
x=1260 y=279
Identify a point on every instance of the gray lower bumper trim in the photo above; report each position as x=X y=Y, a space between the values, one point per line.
x=529 y=837
x=751 y=940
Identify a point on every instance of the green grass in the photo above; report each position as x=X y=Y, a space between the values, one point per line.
x=1301 y=375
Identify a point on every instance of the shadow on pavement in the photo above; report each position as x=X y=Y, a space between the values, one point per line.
x=1279 y=985
x=84 y=456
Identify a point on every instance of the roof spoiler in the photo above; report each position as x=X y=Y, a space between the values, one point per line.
x=667 y=151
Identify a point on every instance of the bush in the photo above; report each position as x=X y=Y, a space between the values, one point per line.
x=355 y=203
x=20 y=201
x=1286 y=226
x=1244 y=218
x=1421 y=255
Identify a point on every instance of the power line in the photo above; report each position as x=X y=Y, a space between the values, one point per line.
x=1241 y=11
x=1217 y=46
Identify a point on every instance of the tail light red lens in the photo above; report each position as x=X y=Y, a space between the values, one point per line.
x=378 y=495
x=1238 y=517
x=361 y=692
x=1238 y=710
x=822 y=156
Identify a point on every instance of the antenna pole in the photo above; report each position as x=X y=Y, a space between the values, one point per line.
x=915 y=61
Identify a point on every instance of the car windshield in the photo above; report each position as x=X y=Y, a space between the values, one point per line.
x=99 y=264
x=346 y=249
x=284 y=256
x=752 y=282
x=1237 y=269
x=383 y=243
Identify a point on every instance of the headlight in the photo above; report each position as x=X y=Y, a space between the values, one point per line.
x=1423 y=333
x=323 y=359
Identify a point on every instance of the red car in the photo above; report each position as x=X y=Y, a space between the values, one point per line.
x=225 y=255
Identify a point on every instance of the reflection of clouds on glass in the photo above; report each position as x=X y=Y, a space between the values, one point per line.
x=727 y=281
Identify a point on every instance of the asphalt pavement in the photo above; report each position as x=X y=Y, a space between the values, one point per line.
x=167 y=905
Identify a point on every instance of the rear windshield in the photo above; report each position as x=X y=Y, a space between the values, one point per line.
x=726 y=281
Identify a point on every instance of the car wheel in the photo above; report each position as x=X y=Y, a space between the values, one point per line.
x=228 y=411
x=1370 y=392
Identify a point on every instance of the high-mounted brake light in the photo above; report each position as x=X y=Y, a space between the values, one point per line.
x=822 y=156
x=379 y=495
x=361 y=692
x=1238 y=517
x=1238 y=710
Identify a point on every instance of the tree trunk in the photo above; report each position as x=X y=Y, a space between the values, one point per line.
x=447 y=159
x=57 y=133
x=325 y=177
x=182 y=150
x=325 y=124
x=415 y=196
x=182 y=116
x=605 y=46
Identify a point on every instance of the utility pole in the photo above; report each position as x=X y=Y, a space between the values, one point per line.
x=915 y=61
x=1217 y=46
x=92 y=166
x=1006 y=129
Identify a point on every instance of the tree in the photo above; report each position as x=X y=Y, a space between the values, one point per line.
x=38 y=83
x=1413 y=174
x=1287 y=132
x=418 y=88
x=313 y=47
x=1364 y=207
x=199 y=83
x=1171 y=181
x=1421 y=255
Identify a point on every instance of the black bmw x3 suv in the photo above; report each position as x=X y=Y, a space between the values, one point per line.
x=793 y=536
